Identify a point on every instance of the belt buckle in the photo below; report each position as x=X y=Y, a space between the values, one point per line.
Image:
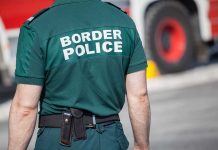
x=93 y=124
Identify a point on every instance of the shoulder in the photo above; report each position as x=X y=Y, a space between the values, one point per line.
x=36 y=16
x=120 y=14
x=38 y=22
x=114 y=6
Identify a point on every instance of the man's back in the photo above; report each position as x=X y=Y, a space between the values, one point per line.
x=80 y=58
x=81 y=51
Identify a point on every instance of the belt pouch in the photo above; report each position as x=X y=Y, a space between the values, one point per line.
x=79 y=129
x=66 y=132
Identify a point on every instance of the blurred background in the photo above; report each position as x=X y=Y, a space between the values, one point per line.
x=181 y=43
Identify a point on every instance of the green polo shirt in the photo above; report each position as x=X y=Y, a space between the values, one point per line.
x=80 y=51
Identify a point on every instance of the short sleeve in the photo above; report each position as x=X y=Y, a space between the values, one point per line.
x=29 y=60
x=138 y=59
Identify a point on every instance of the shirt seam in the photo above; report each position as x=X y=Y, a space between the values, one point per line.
x=136 y=68
x=40 y=45
x=38 y=42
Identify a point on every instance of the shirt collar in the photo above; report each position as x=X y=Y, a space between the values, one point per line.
x=60 y=2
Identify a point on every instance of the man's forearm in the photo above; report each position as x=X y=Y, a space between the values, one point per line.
x=21 y=126
x=139 y=111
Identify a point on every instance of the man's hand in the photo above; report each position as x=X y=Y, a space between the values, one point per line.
x=139 y=109
x=23 y=114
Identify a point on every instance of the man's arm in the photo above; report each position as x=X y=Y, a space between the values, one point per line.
x=23 y=114
x=139 y=108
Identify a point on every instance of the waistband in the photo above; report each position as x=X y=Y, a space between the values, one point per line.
x=55 y=121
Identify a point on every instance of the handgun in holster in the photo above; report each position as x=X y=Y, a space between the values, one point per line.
x=72 y=126
x=79 y=130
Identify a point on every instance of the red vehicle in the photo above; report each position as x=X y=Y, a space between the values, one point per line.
x=13 y=13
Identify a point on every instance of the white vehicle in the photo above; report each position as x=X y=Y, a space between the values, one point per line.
x=5 y=63
x=177 y=33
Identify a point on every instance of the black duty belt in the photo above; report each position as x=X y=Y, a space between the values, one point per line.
x=73 y=123
x=55 y=121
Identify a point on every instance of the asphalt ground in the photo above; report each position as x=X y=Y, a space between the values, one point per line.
x=186 y=118
x=183 y=107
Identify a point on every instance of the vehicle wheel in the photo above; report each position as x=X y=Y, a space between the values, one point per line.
x=169 y=36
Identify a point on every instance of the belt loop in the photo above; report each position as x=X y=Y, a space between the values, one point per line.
x=94 y=120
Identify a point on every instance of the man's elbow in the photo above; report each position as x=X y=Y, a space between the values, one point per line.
x=139 y=100
x=27 y=111
x=141 y=97
x=23 y=110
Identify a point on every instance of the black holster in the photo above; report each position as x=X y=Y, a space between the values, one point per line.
x=72 y=126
